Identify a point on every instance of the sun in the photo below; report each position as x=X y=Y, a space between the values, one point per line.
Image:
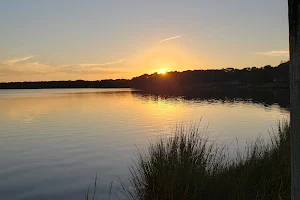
x=162 y=71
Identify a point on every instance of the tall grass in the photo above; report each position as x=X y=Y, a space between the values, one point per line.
x=188 y=166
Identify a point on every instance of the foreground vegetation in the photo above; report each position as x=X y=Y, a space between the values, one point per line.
x=189 y=166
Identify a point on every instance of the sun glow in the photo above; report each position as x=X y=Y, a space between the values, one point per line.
x=162 y=71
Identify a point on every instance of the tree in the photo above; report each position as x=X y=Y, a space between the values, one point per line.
x=294 y=29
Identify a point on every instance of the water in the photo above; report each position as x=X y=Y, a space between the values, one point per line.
x=53 y=142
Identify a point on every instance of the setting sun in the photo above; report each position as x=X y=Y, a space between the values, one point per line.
x=162 y=71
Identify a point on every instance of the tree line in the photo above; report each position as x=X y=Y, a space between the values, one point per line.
x=210 y=78
x=254 y=76
x=109 y=83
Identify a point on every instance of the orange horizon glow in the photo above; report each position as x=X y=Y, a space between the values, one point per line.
x=159 y=58
x=162 y=71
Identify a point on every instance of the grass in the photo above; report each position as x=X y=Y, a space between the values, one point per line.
x=187 y=166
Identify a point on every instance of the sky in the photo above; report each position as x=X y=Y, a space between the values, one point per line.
x=96 y=39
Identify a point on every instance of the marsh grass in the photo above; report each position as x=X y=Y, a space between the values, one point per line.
x=89 y=192
x=188 y=166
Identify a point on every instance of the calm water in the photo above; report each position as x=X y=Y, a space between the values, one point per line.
x=53 y=142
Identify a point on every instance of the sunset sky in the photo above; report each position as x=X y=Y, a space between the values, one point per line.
x=92 y=40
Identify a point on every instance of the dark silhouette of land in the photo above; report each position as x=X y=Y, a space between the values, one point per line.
x=177 y=82
x=119 y=83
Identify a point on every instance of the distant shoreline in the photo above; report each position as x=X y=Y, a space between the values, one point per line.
x=36 y=85
x=124 y=83
x=265 y=77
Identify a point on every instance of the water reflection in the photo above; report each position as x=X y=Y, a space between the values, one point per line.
x=266 y=97
x=54 y=141
x=27 y=107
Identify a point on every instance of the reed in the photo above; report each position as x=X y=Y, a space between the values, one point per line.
x=187 y=166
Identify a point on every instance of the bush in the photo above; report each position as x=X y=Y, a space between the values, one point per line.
x=188 y=166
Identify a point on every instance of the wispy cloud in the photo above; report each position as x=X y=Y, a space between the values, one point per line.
x=16 y=60
x=37 y=68
x=103 y=64
x=17 y=70
x=19 y=67
x=274 y=53
x=27 y=68
x=171 y=38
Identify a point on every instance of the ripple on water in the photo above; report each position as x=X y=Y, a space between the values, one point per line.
x=53 y=142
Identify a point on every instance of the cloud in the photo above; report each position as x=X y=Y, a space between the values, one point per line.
x=171 y=38
x=65 y=70
x=17 y=66
x=14 y=61
x=103 y=64
x=22 y=71
x=274 y=53
x=27 y=68
x=79 y=69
